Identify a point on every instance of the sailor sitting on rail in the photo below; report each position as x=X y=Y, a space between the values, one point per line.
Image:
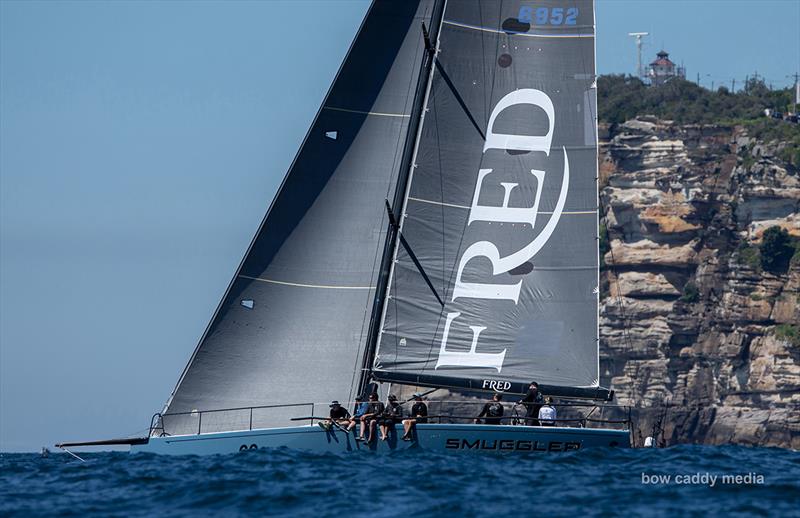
x=391 y=416
x=370 y=419
x=359 y=409
x=547 y=414
x=419 y=414
x=338 y=415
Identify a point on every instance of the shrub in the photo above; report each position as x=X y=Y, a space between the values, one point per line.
x=777 y=249
x=690 y=293
x=788 y=333
x=749 y=255
x=604 y=244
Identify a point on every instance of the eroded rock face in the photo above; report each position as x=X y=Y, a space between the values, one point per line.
x=679 y=202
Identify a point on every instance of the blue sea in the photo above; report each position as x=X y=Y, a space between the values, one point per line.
x=600 y=482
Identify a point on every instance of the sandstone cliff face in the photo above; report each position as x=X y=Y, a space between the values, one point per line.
x=678 y=203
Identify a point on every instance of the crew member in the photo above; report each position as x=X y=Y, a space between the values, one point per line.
x=360 y=408
x=370 y=419
x=547 y=414
x=338 y=415
x=492 y=411
x=533 y=402
x=391 y=416
x=419 y=414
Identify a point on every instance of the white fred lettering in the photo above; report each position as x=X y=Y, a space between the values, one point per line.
x=479 y=290
x=521 y=142
x=472 y=358
x=504 y=213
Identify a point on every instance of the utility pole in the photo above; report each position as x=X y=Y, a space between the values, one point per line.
x=796 y=76
x=638 y=36
x=733 y=85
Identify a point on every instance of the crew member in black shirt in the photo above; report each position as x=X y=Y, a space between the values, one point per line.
x=533 y=401
x=391 y=416
x=338 y=415
x=419 y=414
x=492 y=411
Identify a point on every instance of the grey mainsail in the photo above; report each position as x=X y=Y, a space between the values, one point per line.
x=293 y=324
x=501 y=210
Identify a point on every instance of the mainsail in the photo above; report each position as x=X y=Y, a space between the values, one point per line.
x=293 y=324
x=501 y=210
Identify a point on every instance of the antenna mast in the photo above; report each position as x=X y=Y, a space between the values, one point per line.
x=638 y=36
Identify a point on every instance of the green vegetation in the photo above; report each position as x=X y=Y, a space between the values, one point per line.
x=604 y=244
x=621 y=98
x=749 y=255
x=788 y=333
x=690 y=293
x=756 y=297
x=777 y=249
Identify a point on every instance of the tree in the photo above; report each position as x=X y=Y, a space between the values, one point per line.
x=777 y=248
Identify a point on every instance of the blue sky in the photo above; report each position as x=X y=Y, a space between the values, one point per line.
x=140 y=144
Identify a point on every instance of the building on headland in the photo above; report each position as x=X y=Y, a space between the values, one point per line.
x=663 y=69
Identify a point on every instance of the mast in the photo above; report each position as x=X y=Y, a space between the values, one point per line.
x=400 y=193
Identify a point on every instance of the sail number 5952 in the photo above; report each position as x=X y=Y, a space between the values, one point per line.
x=547 y=16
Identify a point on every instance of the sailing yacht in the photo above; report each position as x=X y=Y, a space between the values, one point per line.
x=438 y=228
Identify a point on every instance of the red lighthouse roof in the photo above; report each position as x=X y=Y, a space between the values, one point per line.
x=663 y=59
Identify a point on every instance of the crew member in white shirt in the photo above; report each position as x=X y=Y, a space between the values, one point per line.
x=547 y=414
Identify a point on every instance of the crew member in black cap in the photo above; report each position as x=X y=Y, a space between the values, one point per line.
x=419 y=414
x=533 y=401
x=338 y=414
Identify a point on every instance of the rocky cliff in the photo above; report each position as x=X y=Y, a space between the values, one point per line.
x=690 y=321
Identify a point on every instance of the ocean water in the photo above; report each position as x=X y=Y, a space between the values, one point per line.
x=598 y=482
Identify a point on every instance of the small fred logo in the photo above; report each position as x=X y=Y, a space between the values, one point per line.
x=497 y=385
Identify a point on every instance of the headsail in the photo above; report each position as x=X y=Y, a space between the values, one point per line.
x=293 y=324
x=502 y=208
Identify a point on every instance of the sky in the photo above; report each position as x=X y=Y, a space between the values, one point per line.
x=141 y=143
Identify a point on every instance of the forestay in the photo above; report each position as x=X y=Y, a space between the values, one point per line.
x=502 y=208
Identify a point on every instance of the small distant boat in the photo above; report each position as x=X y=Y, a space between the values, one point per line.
x=438 y=228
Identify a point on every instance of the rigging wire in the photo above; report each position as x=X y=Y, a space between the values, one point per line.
x=393 y=182
x=453 y=269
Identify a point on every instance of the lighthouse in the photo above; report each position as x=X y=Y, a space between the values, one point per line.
x=663 y=69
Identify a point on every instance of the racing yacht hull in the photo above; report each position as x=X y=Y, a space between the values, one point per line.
x=435 y=437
